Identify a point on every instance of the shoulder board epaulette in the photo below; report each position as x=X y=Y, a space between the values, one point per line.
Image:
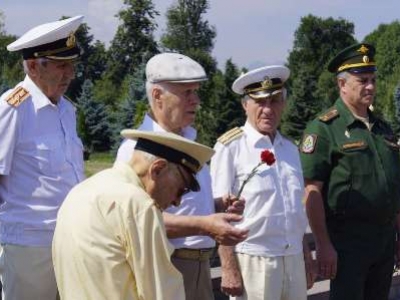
x=329 y=115
x=230 y=135
x=17 y=96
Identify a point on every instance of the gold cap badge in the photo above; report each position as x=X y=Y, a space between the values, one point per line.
x=267 y=83
x=71 y=41
x=363 y=49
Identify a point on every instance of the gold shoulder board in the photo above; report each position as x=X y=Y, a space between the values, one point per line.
x=17 y=96
x=329 y=115
x=230 y=135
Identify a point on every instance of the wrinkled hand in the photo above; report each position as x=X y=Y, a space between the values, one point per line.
x=223 y=232
x=233 y=205
x=327 y=261
x=311 y=272
x=231 y=282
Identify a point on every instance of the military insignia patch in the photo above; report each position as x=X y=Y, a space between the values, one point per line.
x=308 y=144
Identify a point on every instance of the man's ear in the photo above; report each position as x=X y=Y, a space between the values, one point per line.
x=157 y=168
x=156 y=94
x=244 y=104
x=341 y=82
x=32 y=66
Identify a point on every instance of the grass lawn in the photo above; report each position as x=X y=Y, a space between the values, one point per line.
x=97 y=162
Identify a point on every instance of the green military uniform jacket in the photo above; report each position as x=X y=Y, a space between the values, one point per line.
x=360 y=168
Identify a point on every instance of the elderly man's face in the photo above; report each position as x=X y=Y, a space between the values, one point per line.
x=265 y=114
x=171 y=187
x=358 y=90
x=178 y=105
x=52 y=77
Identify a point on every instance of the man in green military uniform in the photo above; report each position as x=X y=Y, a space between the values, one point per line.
x=351 y=167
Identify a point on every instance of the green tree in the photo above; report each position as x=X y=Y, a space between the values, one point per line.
x=130 y=111
x=134 y=42
x=311 y=87
x=91 y=64
x=11 y=70
x=387 y=44
x=93 y=120
x=228 y=107
x=396 y=97
x=188 y=33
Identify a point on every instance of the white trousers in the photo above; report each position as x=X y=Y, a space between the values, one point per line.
x=27 y=273
x=273 y=278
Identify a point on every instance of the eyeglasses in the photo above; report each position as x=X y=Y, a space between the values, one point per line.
x=185 y=189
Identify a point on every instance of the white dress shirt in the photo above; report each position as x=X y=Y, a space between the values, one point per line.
x=41 y=159
x=199 y=203
x=274 y=212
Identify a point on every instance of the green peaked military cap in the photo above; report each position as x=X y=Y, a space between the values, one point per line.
x=358 y=58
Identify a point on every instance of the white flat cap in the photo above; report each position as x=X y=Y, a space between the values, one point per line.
x=261 y=82
x=174 y=67
x=174 y=148
x=55 y=40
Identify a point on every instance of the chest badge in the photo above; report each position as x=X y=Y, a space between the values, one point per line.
x=347 y=134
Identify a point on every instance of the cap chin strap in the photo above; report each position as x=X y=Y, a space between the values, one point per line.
x=349 y=66
x=71 y=57
x=263 y=94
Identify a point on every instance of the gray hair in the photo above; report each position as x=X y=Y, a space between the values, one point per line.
x=41 y=60
x=343 y=74
x=147 y=156
x=149 y=90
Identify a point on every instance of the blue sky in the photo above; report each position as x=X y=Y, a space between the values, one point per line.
x=251 y=32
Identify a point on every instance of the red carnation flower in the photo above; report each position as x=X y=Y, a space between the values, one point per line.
x=267 y=157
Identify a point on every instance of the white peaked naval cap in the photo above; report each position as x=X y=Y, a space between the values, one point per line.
x=261 y=82
x=55 y=40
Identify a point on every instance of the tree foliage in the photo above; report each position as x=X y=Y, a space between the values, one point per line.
x=91 y=64
x=109 y=85
x=186 y=27
x=11 y=71
x=396 y=122
x=93 y=120
x=131 y=110
x=228 y=107
x=311 y=87
x=134 y=42
x=189 y=33
x=387 y=44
